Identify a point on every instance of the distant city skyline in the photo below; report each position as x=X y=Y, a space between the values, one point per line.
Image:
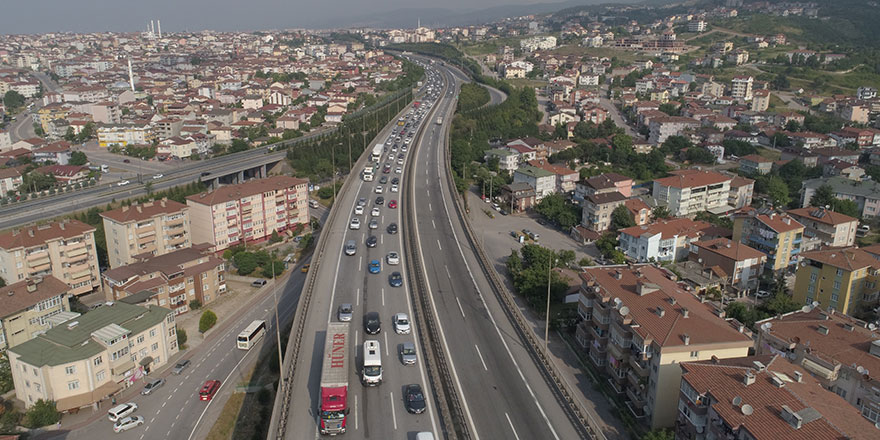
x=84 y=16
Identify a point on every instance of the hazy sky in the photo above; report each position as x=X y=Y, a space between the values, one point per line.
x=41 y=16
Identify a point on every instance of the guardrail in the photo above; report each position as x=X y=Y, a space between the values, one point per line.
x=579 y=416
x=281 y=408
x=449 y=404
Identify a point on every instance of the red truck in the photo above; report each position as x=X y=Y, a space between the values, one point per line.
x=334 y=380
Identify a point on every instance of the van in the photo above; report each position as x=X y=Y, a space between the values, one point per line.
x=372 y=372
x=425 y=436
x=209 y=389
x=313 y=203
x=120 y=411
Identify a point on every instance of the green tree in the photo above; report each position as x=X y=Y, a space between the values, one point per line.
x=777 y=191
x=43 y=413
x=621 y=218
x=195 y=304
x=13 y=100
x=87 y=132
x=660 y=213
x=6 y=383
x=35 y=181
x=238 y=145
x=275 y=237
x=207 y=320
x=246 y=262
x=659 y=434
x=149 y=187
x=78 y=158
x=181 y=338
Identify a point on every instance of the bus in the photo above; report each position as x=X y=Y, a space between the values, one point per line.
x=251 y=335
x=376 y=155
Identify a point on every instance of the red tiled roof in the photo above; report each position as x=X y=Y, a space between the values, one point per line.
x=821 y=215
x=143 y=211
x=234 y=192
x=38 y=235
x=693 y=179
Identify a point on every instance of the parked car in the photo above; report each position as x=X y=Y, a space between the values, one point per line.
x=152 y=386
x=258 y=283
x=119 y=411
x=180 y=366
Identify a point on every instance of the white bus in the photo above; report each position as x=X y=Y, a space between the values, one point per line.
x=251 y=335
x=377 y=152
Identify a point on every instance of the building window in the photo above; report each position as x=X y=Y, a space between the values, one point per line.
x=37 y=387
x=695 y=354
x=153 y=333
x=155 y=346
x=98 y=361
x=840 y=272
x=100 y=376
x=73 y=385
x=70 y=370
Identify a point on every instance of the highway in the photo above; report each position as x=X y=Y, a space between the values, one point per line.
x=174 y=410
x=376 y=412
x=503 y=392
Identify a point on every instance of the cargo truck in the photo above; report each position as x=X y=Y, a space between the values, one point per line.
x=334 y=380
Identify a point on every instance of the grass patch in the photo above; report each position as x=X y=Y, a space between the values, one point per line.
x=769 y=154
x=777 y=104
x=868 y=240
x=622 y=55
x=523 y=82
x=492 y=46
x=225 y=425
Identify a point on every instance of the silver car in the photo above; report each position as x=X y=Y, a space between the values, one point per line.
x=350 y=247
x=408 y=353
x=152 y=385
x=345 y=312
x=180 y=366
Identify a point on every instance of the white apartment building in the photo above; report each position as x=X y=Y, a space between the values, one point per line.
x=663 y=240
x=124 y=135
x=696 y=26
x=741 y=88
x=543 y=181
x=664 y=126
x=692 y=191
x=155 y=228
x=538 y=43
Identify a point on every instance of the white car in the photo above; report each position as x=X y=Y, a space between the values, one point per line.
x=355 y=223
x=374 y=224
x=394 y=188
x=158 y=176
x=379 y=189
x=400 y=161
x=374 y=213
x=127 y=423
x=401 y=324
x=122 y=183
x=398 y=170
x=358 y=210
x=392 y=258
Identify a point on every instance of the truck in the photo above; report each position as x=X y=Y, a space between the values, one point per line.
x=334 y=380
x=439 y=121
x=372 y=371
x=377 y=152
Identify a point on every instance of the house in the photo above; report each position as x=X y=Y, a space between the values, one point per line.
x=742 y=264
x=597 y=208
x=638 y=325
x=849 y=170
x=779 y=236
x=824 y=227
x=603 y=183
x=65 y=174
x=80 y=362
x=640 y=211
x=155 y=228
x=10 y=180
x=764 y=397
x=835 y=350
x=518 y=196
x=866 y=194
x=57 y=152
x=661 y=127
x=760 y=100
x=755 y=165
x=507 y=160
x=28 y=308
x=663 y=240
x=566 y=178
x=542 y=181
x=840 y=278
x=693 y=191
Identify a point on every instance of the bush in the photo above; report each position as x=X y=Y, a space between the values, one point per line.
x=275 y=237
x=9 y=420
x=43 y=413
x=195 y=304
x=207 y=321
x=181 y=338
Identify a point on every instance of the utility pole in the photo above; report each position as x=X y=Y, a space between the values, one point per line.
x=547 y=316
x=277 y=322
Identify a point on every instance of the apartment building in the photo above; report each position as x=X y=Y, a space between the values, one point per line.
x=125 y=134
x=754 y=164
x=603 y=183
x=663 y=240
x=28 y=307
x=82 y=361
x=597 y=208
x=661 y=127
x=248 y=212
x=741 y=264
x=507 y=160
x=154 y=228
x=824 y=227
x=760 y=100
x=741 y=88
x=762 y=397
x=866 y=194
x=692 y=191
x=841 y=278
x=172 y=280
x=566 y=178
x=638 y=325
x=741 y=191
x=776 y=235
x=66 y=250
x=842 y=353
x=696 y=26
x=543 y=181
x=10 y=180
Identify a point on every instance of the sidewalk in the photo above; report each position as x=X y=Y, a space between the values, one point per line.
x=497 y=243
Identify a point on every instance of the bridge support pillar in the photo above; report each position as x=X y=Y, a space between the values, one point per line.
x=263 y=174
x=239 y=178
x=215 y=183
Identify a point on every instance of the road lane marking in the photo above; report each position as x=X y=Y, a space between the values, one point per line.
x=355 y=412
x=393 y=413
x=386 y=344
x=429 y=207
x=170 y=396
x=460 y=309
x=481 y=357
x=438 y=244
x=152 y=420
x=447 y=271
x=433 y=224
x=511 y=426
x=164 y=403
x=357 y=297
x=383 y=296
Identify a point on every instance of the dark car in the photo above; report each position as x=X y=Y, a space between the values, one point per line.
x=395 y=180
x=372 y=324
x=126 y=161
x=372 y=241
x=180 y=366
x=383 y=180
x=395 y=279
x=400 y=156
x=206 y=173
x=392 y=228
x=414 y=399
x=380 y=200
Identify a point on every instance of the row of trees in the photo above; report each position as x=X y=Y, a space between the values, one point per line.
x=530 y=267
x=471 y=96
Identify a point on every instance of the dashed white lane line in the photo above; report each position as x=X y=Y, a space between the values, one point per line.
x=460 y=309
x=481 y=357
x=438 y=245
x=511 y=426
x=357 y=297
x=447 y=271
x=383 y=296
x=355 y=412
x=393 y=413
x=164 y=403
x=386 y=344
x=429 y=207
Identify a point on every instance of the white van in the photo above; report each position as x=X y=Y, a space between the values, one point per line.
x=120 y=411
x=425 y=436
x=372 y=372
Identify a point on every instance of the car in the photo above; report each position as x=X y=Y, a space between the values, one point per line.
x=375 y=212
x=392 y=228
x=372 y=241
x=398 y=170
x=392 y=258
x=408 y=353
x=414 y=399
x=122 y=183
x=394 y=188
x=209 y=389
x=126 y=161
x=383 y=180
x=127 y=423
x=305 y=267
x=375 y=266
x=180 y=366
x=395 y=180
x=345 y=312
x=392 y=204
x=362 y=201
x=400 y=161
x=386 y=170
x=350 y=247
x=372 y=323
x=355 y=223
x=762 y=294
x=395 y=279
x=400 y=156
x=258 y=283
x=400 y=321
x=380 y=201
x=151 y=386
x=541 y=221
x=374 y=224
x=358 y=210
x=205 y=173
x=120 y=411
x=403 y=149
x=380 y=189
x=158 y=176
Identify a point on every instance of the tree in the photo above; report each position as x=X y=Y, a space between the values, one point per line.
x=78 y=158
x=670 y=108
x=13 y=100
x=659 y=434
x=238 y=145
x=195 y=304
x=660 y=213
x=207 y=320
x=35 y=181
x=6 y=383
x=275 y=237
x=246 y=262
x=777 y=190
x=43 y=413
x=2 y=284
x=621 y=218
x=181 y=338
x=149 y=187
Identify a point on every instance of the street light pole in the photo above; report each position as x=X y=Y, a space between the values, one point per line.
x=277 y=322
x=547 y=316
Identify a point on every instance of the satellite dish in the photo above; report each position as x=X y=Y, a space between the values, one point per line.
x=806 y=309
x=747 y=410
x=766 y=326
x=623 y=311
x=815 y=304
x=861 y=369
x=872 y=326
x=737 y=401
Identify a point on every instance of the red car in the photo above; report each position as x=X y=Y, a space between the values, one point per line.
x=209 y=389
x=392 y=204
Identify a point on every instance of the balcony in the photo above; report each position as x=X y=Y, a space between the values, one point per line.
x=599 y=318
x=118 y=371
x=40 y=264
x=619 y=352
x=636 y=400
x=583 y=335
x=599 y=335
x=639 y=366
